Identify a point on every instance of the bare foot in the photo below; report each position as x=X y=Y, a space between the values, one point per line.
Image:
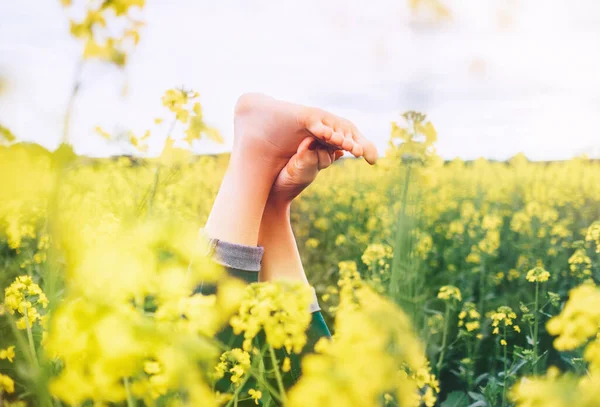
x=301 y=170
x=281 y=259
x=273 y=128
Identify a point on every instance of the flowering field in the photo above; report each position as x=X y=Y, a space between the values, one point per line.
x=491 y=265
x=452 y=284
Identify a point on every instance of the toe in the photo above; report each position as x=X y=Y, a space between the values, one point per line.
x=358 y=150
x=369 y=150
x=324 y=158
x=348 y=142
x=320 y=130
x=337 y=138
x=305 y=144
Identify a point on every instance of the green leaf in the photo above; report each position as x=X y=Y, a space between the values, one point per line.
x=456 y=399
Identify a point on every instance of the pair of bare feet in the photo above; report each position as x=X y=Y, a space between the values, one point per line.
x=278 y=150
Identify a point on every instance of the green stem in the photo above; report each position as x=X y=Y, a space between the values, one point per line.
x=71 y=102
x=237 y=392
x=401 y=231
x=30 y=339
x=536 y=328
x=482 y=285
x=444 y=339
x=278 y=374
x=505 y=369
x=130 y=400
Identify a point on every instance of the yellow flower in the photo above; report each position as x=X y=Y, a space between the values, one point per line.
x=538 y=274
x=255 y=395
x=593 y=235
x=449 y=293
x=578 y=321
x=235 y=362
x=287 y=365
x=8 y=353
x=279 y=309
x=312 y=243
x=21 y=298
x=6 y=384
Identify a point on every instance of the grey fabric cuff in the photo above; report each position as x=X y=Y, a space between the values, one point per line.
x=236 y=256
x=247 y=258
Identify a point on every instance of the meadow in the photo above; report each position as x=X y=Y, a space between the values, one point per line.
x=445 y=283
x=485 y=269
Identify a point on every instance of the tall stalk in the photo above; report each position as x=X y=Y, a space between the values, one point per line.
x=401 y=251
x=444 y=338
x=277 y=374
x=71 y=102
x=536 y=328
x=505 y=369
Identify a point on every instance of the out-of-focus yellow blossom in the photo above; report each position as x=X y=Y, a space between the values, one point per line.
x=538 y=274
x=579 y=320
x=312 y=243
x=8 y=354
x=340 y=240
x=280 y=309
x=417 y=139
x=580 y=264
x=449 y=293
x=102 y=132
x=97 y=27
x=593 y=235
x=424 y=245
x=121 y=311
x=390 y=351
x=377 y=256
x=7 y=385
x=255 y=395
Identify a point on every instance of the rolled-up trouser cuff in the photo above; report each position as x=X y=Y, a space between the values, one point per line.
x=233 y=255
x=237 y=256
x=241 y=257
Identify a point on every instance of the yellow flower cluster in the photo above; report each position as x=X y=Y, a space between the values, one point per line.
x=449 y=293
x=389 y=351
x=7 y=385
x=579 y=320
x=235 y=363
x=8 y=354
x=504 y=316
x=376 y=256
x=129 y=324
x=538 y=274
x=177 y=101
x=580 y=264
x=22 y=298
x=575 y=326
x=280 y=309
x=95 y=32
x=593 y=235
x=469 y=317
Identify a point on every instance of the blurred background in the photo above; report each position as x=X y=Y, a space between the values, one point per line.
x=496 y=77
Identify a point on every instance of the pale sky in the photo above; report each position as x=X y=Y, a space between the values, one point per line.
x=502 y=77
